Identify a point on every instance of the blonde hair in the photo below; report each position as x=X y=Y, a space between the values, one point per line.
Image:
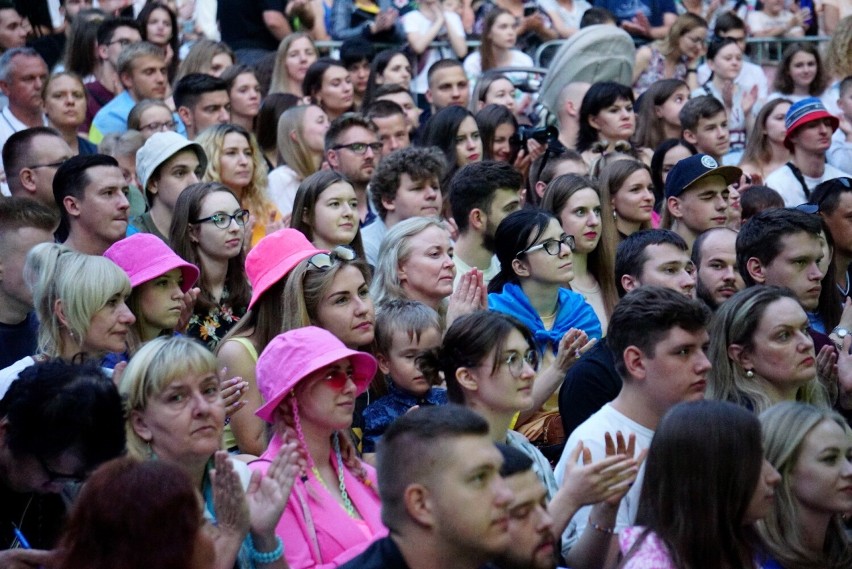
x=151 y=370
x=684 y=24
x=838 y=52
x=785 y=427
x=295 y=153
x=254 y=197
x=83 y=283
x=280 y=80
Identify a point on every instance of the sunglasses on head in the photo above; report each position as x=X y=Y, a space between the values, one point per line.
x=323 y=261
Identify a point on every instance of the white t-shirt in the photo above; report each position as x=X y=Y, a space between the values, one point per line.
x=759 y=21
x=11 y=373
x=591 y=432
x=283 y=185
x=415 y=21
x=487 y=274
x=840 y=153
x=571 y=18
x=371 y=239
x=473 y=65
x=785 y=183
x=750 y=75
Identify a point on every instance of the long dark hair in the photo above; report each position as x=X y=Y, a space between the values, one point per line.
x=440 y=131
x=174 y=42
x=599 y=96
x=187 y=208
x=304 y=204
x=377 y=67
x=488 y=120
x=650 y=130
x=784 y=82
x=657 y=166
x=699 y=512
x=513 y=235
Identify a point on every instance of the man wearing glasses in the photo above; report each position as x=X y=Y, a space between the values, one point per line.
x=352 y=148
x=31 y=157
x=114 y=34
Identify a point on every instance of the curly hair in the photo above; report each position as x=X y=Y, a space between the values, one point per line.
x=420 y=164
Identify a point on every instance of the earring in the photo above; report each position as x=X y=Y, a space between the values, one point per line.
x=614 y=214
x=749 y=373
x=150 y=450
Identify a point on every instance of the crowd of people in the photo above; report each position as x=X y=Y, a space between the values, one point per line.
x=325 y=283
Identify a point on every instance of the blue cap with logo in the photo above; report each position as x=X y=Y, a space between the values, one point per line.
x=695 y=168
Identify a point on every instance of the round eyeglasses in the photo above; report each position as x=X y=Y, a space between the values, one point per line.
x=515 y=362
x=551 y=246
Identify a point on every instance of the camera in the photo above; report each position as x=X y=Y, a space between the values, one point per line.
x=547 y=135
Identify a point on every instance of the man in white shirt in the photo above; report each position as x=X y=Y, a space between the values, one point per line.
x=481 y=195
x=658 y=337
x=840 y=153
x=22 y=76
x=809 y=130
x=729 y=25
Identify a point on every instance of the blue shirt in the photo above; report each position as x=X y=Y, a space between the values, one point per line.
x=113 y=118
x=379 y=415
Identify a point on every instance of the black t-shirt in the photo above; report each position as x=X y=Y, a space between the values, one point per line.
x=241 y=23
x=18 y=341
x=38 y=516
x=590 y=384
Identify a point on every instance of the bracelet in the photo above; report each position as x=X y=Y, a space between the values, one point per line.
x=691 y=70
x=267 y=557
x=596 y=527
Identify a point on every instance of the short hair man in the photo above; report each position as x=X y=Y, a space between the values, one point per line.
x=114 y=34
x=782 y=247
x=448 y=85
x=568 y=112
x=533 y=545
x=402 y=97
x=22 y=76
x=705 y=124
x=653 y=257
x=714 y=255
x=658 y=338
x=391 y=125
x=442 y=495
x=729 y=25
x=697 y=195
x=24 y=223
x=481 y=195
x=142 y=70
x=165 y=166
x=353 y=149
x=549 y=166
x=58 y=421
x=31 y=157
x=12 y=31
x=201 y=101
x=809 y=130
x=834 y=199
x=91 y=194
x=406 y=184
x=840 y=153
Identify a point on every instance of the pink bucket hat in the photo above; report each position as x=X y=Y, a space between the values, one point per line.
x=274 y=256
x=144 y=256
x=292 y=356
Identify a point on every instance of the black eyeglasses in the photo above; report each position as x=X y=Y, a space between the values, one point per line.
x=223 y=220
x=60 y=477
x=323 y=261
x=551 y=246
x=361 y=147
x=56 y=164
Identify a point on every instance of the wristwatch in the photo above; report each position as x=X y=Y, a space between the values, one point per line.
x=841 y=333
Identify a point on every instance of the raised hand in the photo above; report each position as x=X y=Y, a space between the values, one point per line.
x=574 y=343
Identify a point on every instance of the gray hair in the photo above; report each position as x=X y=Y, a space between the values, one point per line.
x=394 y=250
x=134 y=51
x=9 y=55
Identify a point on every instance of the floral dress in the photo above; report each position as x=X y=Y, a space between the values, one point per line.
x=211 y=326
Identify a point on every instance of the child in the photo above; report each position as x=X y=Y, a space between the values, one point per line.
x=705 y=125
x=404 y=329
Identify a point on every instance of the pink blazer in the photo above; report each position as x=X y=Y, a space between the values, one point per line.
x=316 y=531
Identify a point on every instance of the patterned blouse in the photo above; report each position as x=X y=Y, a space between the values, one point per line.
x=211 y=326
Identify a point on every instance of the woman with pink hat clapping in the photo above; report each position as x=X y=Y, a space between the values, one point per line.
x=159 y=279
x=268 y=266
x=334 y=511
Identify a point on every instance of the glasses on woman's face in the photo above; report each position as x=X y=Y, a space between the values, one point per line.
x=551 y=246
x=223 y=220
x=338 y=378
x=515 y=362
x=159 y=126
x=323 y=261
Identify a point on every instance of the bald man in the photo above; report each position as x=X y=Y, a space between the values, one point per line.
x=568 y=112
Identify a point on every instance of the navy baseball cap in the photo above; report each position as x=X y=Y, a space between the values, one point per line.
x=697 y=167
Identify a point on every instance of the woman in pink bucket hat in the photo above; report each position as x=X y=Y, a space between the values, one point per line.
x=333 y=512
x=159 y=279
x=268 y=267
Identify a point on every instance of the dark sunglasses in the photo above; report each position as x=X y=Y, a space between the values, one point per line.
x=323 y=261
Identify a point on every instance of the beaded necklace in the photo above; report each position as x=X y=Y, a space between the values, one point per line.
x=347 y=503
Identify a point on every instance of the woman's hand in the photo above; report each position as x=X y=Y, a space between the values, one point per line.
x=528 y=155
x=574 y=343
x=229 y=500
x=187 y=307
x=728 y=94
x=606 y=479
x=25 y=558
x=232 y=393
x=470 y=295
x=267 y=495
x=749 y=99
